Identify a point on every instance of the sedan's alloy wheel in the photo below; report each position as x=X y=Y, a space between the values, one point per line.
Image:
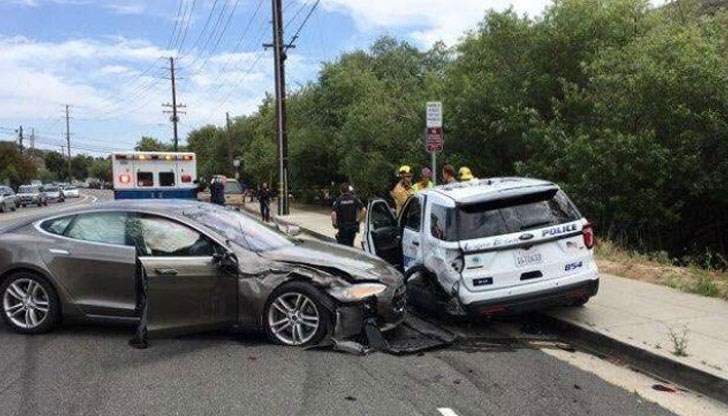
x=25 y=303
x=293 y=318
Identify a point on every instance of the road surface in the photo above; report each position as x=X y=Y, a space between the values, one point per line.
x=90 y=370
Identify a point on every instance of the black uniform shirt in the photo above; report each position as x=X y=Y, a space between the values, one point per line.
x=346 y=208
x=264 y=195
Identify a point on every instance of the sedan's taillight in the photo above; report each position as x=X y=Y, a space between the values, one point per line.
x=588 y=233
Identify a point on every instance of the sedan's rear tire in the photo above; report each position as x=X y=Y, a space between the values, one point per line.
x=30 y=304
x=295 y=315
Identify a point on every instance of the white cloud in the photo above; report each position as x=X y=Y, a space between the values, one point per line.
x=124 y=80
x=429 y=20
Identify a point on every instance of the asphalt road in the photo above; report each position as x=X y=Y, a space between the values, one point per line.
x=90 y=370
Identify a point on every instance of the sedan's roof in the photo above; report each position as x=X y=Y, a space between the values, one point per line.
x=161 y=206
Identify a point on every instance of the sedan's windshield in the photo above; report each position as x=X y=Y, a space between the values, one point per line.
x=239 y=228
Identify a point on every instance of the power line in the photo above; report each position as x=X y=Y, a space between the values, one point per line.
x=204 y=29
x=219 y=38
x=186 y=28
x=305 y=20
x=237 y=48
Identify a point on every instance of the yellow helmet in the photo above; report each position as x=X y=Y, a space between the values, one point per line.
x=465 y=174
x=405 y=170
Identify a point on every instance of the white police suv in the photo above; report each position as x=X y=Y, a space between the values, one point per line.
x=488 y=246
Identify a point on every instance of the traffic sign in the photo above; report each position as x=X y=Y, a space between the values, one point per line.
x=434 y=114
x=434 y=141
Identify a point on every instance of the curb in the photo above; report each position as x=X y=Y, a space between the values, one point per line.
x=687 y=376
x=657 y=365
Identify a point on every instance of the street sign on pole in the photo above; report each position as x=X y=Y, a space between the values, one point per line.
x=434 y=142
x=434 y=114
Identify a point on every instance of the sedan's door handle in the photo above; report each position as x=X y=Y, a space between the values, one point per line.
x=59 y=251
x=166 y=272
x=416 y=243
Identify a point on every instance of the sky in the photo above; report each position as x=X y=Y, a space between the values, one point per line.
x=109 y=59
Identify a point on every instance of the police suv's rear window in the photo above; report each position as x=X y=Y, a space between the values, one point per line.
x=513 y=215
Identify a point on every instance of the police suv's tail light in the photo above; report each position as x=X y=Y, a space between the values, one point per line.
x=588 y=233
x=186 y=178
x=124 y=179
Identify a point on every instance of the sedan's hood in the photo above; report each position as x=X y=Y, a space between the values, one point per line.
x=359 y=265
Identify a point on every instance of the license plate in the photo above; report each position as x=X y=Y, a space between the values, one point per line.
x=528 y=257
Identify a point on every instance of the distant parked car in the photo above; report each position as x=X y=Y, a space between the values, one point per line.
x=31 y=195
x=53 y=193
x=8 y=200
x=70 y=191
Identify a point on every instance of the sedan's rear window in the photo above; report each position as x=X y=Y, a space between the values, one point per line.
x=526 y=212
x=57 y=226
x=28 y=189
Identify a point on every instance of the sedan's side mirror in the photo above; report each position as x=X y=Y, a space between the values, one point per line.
x=225 y=259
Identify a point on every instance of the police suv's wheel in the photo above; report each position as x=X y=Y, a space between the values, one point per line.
x=424 y=292
x=29 y=303
x=295 y=315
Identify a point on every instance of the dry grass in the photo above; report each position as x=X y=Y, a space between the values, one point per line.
x=658 y=268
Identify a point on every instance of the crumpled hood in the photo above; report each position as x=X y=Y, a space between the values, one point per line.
x=357 y=263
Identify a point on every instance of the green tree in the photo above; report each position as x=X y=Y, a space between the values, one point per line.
x=15 y=168
x=100 y=169
x=56 y=164
x=150 y=144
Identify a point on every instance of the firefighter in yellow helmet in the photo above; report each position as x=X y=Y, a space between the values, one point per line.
x=403 y=189
x=464 y=174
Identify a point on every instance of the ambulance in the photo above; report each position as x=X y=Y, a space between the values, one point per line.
x=150 y=175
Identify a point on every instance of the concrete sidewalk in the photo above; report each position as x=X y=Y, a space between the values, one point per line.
x=649 y=317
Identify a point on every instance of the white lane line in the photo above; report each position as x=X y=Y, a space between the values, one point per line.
x=446 y=411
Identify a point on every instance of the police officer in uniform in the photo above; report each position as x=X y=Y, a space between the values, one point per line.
x=347 y=210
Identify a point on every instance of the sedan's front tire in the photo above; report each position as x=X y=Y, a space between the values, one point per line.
x=29 y=303
x=295 y=315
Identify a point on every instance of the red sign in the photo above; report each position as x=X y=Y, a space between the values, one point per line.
x=434 y=141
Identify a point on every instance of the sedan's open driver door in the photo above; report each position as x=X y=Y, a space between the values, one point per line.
x=382 y=236
x=188 y=294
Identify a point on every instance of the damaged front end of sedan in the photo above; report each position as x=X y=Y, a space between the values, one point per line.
x=356 y=309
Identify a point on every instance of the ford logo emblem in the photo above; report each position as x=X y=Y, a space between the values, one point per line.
x=526 y=236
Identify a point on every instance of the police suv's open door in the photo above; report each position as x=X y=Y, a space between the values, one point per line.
x=382 y=234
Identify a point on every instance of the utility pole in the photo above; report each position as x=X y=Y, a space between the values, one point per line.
x=279 y=54
x=174 y=118
x=229 y=141
x=68 y=140
x=20 y=138
x=32 y=138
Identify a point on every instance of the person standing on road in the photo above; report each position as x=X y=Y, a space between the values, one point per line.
x=425 y=181
x=217 y=190
x=403 y=190
x=264 y=196
x=448 y=174
x=345 y=214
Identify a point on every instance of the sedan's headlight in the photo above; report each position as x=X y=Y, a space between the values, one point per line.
x=358 y=291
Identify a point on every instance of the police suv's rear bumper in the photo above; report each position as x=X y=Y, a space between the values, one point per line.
x=538 y=299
